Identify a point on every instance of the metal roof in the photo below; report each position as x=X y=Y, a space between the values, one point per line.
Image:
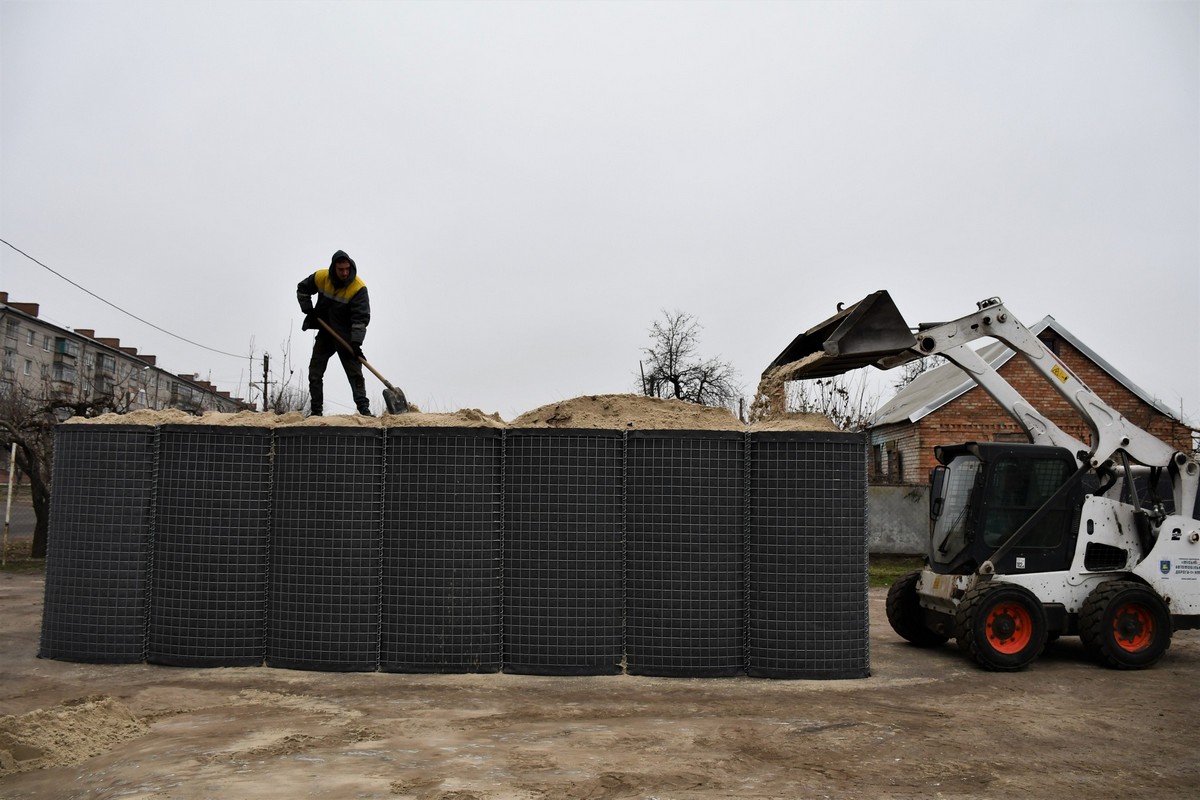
x=933 y=389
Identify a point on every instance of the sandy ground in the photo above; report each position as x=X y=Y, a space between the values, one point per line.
x=605 y=411
x=926 y=724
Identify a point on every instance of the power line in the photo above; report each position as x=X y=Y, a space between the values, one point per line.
x=118 y=308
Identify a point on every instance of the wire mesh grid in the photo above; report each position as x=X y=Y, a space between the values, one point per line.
x=563 y=552
x=684 y=539
x=548 y=552
x=808 y=574
x=210 y=544
x=441 y=578
x=324 y=562
x=96 y=577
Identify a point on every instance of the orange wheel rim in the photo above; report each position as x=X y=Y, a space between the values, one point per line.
x=1133 y=627
x=1009 y=628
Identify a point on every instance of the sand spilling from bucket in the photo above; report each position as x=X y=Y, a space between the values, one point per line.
x=770 y=398
x=605 y=411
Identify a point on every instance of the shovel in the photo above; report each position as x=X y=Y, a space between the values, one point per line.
x=393 y=398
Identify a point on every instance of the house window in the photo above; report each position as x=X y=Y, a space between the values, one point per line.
x=32 y=339
x=64 y=373
x=888 y=463
x=46 y=344
x=9 y=361
x=28 y=367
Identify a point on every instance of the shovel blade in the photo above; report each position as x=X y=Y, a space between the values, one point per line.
x=394 y=401
x=867 y=333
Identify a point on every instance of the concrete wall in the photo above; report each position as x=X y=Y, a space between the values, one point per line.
x=897 y=519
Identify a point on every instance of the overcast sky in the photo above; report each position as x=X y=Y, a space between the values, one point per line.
x=526 y=186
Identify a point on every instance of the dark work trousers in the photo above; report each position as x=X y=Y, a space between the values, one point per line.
x=323 y=348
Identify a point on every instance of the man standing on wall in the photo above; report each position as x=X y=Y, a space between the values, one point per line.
x=342 y=303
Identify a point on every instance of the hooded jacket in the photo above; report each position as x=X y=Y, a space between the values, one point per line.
x=344 y=305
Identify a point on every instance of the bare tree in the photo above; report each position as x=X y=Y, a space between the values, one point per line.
x=913 y=369
x=848 y=400
x=292 y=394
x=674 y=368
x=29 y=422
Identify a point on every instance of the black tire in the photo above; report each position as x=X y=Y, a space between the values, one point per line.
x=1125 y=625
x=1002 y=626
x=905 y=614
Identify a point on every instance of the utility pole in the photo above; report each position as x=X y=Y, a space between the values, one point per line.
x=266 y=382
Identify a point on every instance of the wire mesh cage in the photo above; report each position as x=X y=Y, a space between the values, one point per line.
x=99 y=544
x=685 y=537
x=441 y=557
x=539 y=551
x=807 y=575
x=326 y=549
x=211 y=529
x=563 y=560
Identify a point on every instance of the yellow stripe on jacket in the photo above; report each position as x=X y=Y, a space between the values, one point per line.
x=325 y=286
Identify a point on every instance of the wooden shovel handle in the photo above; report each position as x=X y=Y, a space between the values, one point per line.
x=346 y=345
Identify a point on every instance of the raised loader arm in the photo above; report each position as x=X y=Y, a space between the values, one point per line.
x=873 y=333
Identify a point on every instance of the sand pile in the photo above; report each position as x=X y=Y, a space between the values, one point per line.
x=605 y=411
x=466 y=417
x=795 y=421
x=626 y=412
x=174 y=416
x=69 y=733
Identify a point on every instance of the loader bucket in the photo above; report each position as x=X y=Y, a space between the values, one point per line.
x=860 y=335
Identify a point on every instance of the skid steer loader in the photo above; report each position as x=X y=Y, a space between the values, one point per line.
x=1029 y=542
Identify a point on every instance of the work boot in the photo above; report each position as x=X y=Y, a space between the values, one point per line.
x=359 y=392
x=316 y=398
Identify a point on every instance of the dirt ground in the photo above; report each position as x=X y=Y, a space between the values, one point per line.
x=926 y=724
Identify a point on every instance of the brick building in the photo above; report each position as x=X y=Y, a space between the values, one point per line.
x=944 y=406
x=46 y=361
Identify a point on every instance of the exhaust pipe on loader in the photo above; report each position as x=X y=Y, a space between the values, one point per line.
x=869 y=333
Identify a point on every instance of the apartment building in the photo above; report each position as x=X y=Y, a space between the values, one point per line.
x=47 y=361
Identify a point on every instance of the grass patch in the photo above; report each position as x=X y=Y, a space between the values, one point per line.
x=17 y=558
x=885 y=569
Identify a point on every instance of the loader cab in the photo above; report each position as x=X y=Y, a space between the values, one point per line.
x=981 y=493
